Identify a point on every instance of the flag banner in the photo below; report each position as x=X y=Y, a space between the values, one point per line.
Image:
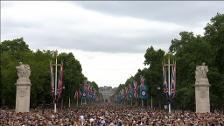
x=143 y=89
x=60 y=82
x=123 y=94
x=135 y=89
x=85 y=90
x=143 y=93
x=52 y=81
x=81 y=90
x=76 y=96
x=126 y=92
x=88 y=88
x=173 y=82
x=94 y=95
x=89 y=95
x=84 y=94
x=165 y=84
x=119 y=97
x=131 y=91
x=89 y=92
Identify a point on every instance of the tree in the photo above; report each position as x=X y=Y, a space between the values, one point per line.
x=153 y=74
x=12 y=52
x=16 y=50
x=214 y=34
x=190 y=51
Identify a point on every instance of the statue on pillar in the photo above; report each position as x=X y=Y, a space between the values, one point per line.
x=23 y=85
x=23 y=72
x=201 y=71
x=202 y=89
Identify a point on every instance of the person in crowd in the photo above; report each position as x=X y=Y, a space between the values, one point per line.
x=109 y=115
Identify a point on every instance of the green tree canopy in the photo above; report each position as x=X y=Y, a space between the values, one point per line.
x=16 y=50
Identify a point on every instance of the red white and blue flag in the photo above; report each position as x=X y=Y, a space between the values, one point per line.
x=165 y=84
x=173 y=82
x=52 y=81
x=126 y=92
x=60 y=82
x=143 y=89
x=77 y=94
x=135 y=89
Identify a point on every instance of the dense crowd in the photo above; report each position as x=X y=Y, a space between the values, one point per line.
x=109 y=115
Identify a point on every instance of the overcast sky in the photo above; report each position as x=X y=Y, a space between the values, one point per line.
x=108 y=38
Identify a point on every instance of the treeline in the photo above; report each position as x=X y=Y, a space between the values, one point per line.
x=15 y=51
x=188 y=51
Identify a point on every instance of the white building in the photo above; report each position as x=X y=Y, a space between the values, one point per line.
x=107 y=92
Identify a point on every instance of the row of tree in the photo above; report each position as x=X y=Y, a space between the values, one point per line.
x=15 y=51
x=188 y=51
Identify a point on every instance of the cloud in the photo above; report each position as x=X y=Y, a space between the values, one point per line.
x=108 y=38
x=107 y=68
x=66 y=25
x=180 y=12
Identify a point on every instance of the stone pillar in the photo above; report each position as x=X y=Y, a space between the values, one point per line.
x=202 y=89
x=23 y=86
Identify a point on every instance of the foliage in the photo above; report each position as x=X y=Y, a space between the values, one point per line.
x=14 y=51
x=188 y=52
x=191 y=51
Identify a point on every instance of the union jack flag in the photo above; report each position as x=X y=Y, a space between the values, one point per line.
x=173 y=82
x=165 y=85
x=52 y=81
x=135 y=89
x=60 y=82
x=142 y=81
x=77 y=94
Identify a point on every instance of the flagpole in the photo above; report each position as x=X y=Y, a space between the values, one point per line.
x=69 y=102
x=77 y=102
x=169 y=82
x=151 y=103
x=142 y=103
x=55 y=84
x=131 y=101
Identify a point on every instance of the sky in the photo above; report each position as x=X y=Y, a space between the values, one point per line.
x=108 y=38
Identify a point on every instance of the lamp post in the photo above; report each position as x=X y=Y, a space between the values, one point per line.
x=56 y=83
x=169 y=89
x=168 y=69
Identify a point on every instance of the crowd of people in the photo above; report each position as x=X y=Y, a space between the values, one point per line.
x=109 y=115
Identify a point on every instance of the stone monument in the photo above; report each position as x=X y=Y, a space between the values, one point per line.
x=23 y=85
x=202 y=89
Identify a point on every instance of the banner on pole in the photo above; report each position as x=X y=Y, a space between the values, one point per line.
x=60 y=81
x=143 y=89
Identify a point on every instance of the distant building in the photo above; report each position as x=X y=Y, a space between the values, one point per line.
x=107 y=92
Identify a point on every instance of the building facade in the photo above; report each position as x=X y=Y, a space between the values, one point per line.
x=107 y=92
